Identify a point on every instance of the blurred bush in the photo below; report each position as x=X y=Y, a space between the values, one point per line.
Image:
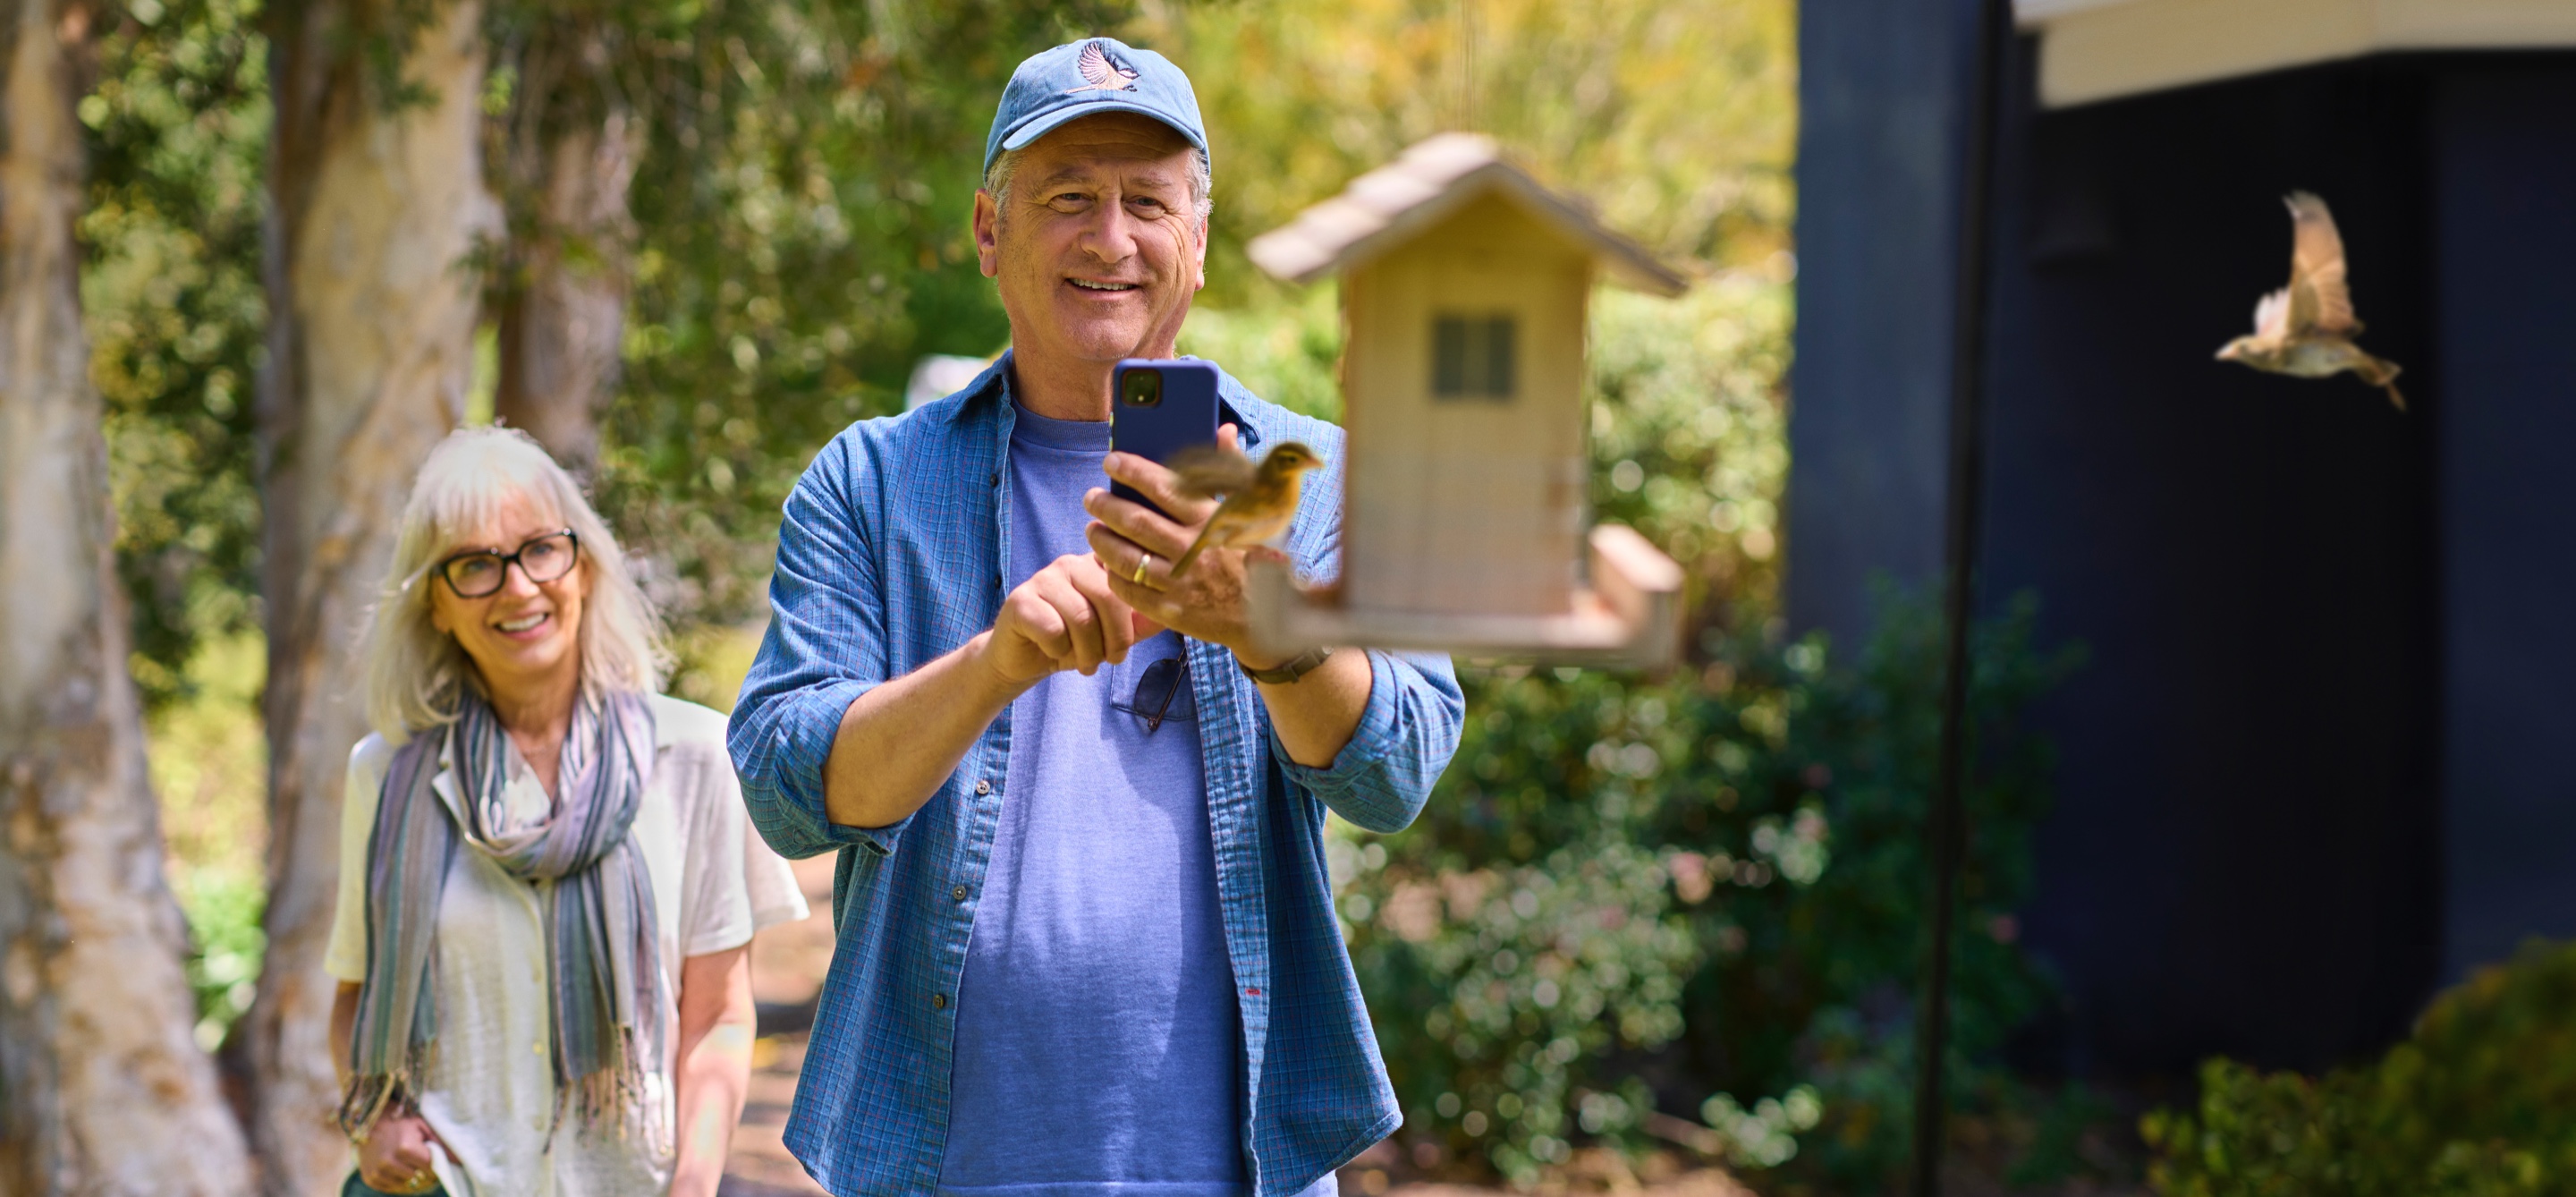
x=1676 y=119
x=1699 y=894
x=804 y=204
x=1635 y=901
x=170 y=292
x=209 y=765
x=1287 y=351
x=2473 y=1104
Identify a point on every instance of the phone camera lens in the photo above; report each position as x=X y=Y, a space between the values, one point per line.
x=1144 y=388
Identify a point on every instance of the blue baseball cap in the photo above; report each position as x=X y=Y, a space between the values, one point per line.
x=1087 y=78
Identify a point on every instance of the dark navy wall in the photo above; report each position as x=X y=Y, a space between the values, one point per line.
x=2244 y=858
x=1878 y=178
x=2506 y=133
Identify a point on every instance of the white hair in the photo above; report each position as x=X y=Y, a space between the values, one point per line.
x=997 y=179
x=415 y=674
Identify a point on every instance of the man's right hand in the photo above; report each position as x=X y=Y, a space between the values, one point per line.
x=900 y=741
x=395 y=1157
x=1063 y=617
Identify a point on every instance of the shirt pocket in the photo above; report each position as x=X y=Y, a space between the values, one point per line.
x=1155 y=677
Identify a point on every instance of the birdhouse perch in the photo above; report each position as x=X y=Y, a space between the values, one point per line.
x=1464 y=287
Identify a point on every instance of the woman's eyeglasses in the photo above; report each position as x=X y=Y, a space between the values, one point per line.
x=542 y=558
x=1154 y=690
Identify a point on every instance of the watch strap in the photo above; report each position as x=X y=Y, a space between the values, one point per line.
x=1287 y=672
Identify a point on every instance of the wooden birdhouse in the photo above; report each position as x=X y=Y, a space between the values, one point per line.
x=1464 y=287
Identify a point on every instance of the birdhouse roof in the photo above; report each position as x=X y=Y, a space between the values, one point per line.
x=1386 y=207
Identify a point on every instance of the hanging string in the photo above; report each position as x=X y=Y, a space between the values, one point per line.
x=1467 y=107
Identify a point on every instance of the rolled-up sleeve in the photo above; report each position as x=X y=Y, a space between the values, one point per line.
x=826 y=646
x=1406 y=735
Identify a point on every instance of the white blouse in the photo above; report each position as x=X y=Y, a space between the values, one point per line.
x=490 y=1094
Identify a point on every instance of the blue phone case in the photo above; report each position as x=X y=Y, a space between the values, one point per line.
x=1179 y=412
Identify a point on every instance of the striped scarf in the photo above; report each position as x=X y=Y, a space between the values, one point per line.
x=603 y=969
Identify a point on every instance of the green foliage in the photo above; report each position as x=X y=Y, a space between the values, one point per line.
x=209 y=766
x=1824 y=992
x=171 y=293
x=2473 y=1104
x=1714 y=882
x=223 y=912
x=1689 y=439
x=805 y=203
x=1288 y=352
x=1677 y=117
x=177 y=127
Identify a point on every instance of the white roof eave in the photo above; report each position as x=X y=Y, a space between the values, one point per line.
x=2092 y=50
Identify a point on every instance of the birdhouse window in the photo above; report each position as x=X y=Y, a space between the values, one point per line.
x=1471 y=357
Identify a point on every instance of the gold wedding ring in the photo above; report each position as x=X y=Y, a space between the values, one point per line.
x=1141 y=563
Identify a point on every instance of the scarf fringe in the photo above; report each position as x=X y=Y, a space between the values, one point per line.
x=366 y=1098
x=605 y=1098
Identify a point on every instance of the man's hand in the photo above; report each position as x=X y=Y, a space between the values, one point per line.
x=1066 y=616
x=395 y=1158
x=1206 y=604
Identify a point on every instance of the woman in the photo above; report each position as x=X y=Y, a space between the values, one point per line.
x=547 y=879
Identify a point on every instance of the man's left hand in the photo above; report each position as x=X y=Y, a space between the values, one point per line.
x=1205 y=605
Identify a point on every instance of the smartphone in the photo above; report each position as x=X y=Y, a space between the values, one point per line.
x=1157 y=409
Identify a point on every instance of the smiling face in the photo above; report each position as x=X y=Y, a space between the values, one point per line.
x=525 y=638
x=1098 y=245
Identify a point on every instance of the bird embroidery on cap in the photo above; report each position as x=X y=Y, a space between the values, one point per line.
x=2306 y=329
x=1103 y=72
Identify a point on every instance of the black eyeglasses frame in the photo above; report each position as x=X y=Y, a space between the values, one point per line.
x=507 y=560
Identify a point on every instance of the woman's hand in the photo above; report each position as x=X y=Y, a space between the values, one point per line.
x=395 y=1158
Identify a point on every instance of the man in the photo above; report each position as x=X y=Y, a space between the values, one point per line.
x=1087 y=943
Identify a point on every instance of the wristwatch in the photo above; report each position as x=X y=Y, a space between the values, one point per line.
x=1287 y=672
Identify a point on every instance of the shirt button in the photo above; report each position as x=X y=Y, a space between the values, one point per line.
x=958 y=893
x=983 y=785
x=938 y=1001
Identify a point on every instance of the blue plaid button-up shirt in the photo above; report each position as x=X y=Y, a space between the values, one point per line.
x=892 y=554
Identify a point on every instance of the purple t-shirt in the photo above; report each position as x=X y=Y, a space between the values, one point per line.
x=1098 y=1044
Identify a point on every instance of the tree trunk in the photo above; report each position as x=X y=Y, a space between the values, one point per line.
x=102 y=1086
x=377 y=215
x=564 y=320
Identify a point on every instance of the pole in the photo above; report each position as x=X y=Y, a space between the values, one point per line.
x=1966 y=493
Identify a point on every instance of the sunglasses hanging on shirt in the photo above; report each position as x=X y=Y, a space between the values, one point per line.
x=1155 y=689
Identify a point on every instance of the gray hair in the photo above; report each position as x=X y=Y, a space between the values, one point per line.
x=997 y=179
x=416 y=674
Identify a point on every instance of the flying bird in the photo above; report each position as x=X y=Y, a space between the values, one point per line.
x=1260 y=500
x=2306 y=329
x=1103 y=72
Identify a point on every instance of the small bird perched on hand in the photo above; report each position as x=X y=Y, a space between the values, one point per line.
x=1260 y=500
x=2306 y=329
